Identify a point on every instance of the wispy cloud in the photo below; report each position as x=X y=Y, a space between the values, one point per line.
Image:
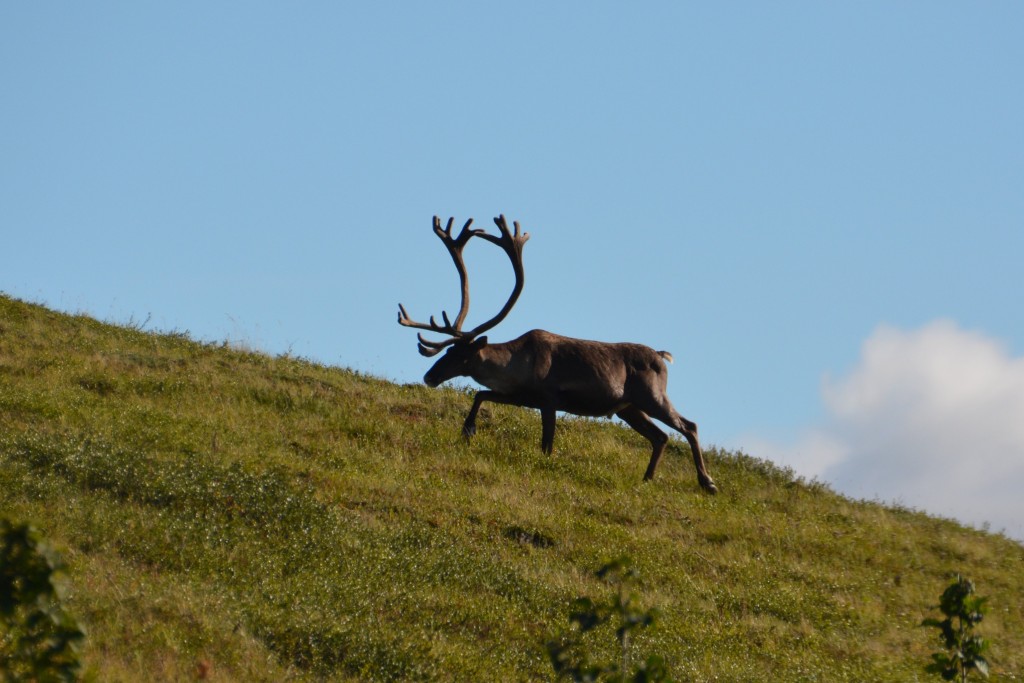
x=931 y=418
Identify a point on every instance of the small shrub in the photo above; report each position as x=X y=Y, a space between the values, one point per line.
x=569 y=653
x=963 y=649
x=38 y=639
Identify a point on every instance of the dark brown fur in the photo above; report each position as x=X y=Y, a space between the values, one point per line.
x=553 y=373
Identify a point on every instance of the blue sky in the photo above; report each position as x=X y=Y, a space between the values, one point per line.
x=773 y=192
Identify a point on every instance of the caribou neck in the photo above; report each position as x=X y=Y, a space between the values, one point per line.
x=497 y=367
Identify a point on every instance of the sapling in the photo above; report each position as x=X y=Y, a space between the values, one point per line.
x=963 y=648
x=38 y=639
x=569 y=655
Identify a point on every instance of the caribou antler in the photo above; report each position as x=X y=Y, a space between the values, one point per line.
x=511 y=243
x=513 y=246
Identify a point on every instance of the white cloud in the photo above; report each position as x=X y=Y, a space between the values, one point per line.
x=932 y=419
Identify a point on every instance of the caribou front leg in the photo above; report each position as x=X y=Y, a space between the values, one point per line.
x=469 y=426
x=547 y=415
x=547 y=433
x=639 y=421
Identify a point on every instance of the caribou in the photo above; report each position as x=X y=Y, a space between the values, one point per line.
x=549 y=372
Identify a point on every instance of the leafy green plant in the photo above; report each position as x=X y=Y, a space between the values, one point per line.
x=963 y=648
x=38 y=639
x=570 y=655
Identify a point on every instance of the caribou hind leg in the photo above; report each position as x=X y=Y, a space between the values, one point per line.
x=663 y=411
x=639 y=421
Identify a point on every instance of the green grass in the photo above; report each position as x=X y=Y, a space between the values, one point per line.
x=230 y=516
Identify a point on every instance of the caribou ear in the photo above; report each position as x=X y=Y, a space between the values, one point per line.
x=479 y=343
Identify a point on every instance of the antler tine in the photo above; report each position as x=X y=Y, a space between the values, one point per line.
x=424 y=351
x=432 y=326
x=503 y=226
x=446 y=233
x=432 y=348
x=511 y=242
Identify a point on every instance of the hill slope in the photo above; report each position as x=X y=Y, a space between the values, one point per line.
x=231 y=516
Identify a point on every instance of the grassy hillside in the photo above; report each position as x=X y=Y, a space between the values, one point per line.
x=229 y=516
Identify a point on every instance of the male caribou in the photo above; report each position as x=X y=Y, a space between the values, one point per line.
x=549 y=372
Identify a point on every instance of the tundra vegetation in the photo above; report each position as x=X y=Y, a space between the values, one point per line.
x=226 y=515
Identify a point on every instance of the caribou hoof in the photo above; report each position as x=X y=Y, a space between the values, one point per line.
x=709 y=486
x=468 y=430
